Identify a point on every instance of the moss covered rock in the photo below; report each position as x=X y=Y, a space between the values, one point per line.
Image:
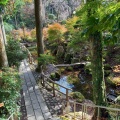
x=78 y=96
x=55 y=76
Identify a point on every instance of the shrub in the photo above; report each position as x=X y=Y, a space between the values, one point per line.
x=45 y=33
x=8 y=27
x=24 y=34
x=70 y=24
x=45 y=59
x=14 y=53
x=78 y=96
x=17 y=34
x=10 y=84
x=72 y=79
x=33 y=34
x=55 y=32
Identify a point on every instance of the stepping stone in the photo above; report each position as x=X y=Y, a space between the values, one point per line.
x=38 y=114
x=31 y=118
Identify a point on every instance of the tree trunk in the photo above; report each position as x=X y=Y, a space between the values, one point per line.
x=3 y=56
x=39 y=26
x=97 y=70
x=3 y=31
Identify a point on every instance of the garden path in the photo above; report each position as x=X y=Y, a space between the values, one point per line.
x=35 y=103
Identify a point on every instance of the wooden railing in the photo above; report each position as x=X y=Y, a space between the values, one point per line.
x=84 y=108
x=73 y=64
x=87 y=111
x=47 y=80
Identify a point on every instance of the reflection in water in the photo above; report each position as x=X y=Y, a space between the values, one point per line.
x=63 y=82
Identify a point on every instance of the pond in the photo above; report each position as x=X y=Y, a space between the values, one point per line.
x=63 y=82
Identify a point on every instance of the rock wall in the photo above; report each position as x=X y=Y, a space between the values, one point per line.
x=62 y=9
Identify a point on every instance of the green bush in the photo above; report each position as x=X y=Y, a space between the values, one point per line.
x=78 y=96
x=14 y=53
x=10 y=84
x=45 y=59
x=72 y=79
x=8 y=27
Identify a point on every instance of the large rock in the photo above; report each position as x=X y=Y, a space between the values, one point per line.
x=62 y=9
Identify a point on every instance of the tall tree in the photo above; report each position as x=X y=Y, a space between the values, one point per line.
x=95 y=38
x=94 y=22
x=3 y=56
x=39 y=26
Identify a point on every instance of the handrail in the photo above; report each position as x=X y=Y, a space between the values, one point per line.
x=85 y=106
x=55 y=82
x=53 y=87
x=89 y=105
x=74 y=101
x=67 y=65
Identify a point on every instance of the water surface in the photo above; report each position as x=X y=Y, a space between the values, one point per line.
x=63 y=82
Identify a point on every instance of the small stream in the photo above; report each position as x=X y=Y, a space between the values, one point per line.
x=63 y=82
x=84 y=86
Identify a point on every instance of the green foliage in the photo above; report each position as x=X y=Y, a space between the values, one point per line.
x=88 y=68
x=3 y=2
x=78 y=96
x=117 y=58
x=55 y=33
x=45 y=59
x=14 y=52
x=10 y=85
x=8 y=27
x=72 y=79
x=51 y=16
x=55 y=76
x=104 y=17
x=70 y=24
x=13 y=12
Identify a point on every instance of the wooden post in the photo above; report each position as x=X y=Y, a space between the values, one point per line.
x=67 y=99
x=43 y=80
x=98 y=115
x=53 y=89
x=74 y=110
x=82 y=111
x=85 y=111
